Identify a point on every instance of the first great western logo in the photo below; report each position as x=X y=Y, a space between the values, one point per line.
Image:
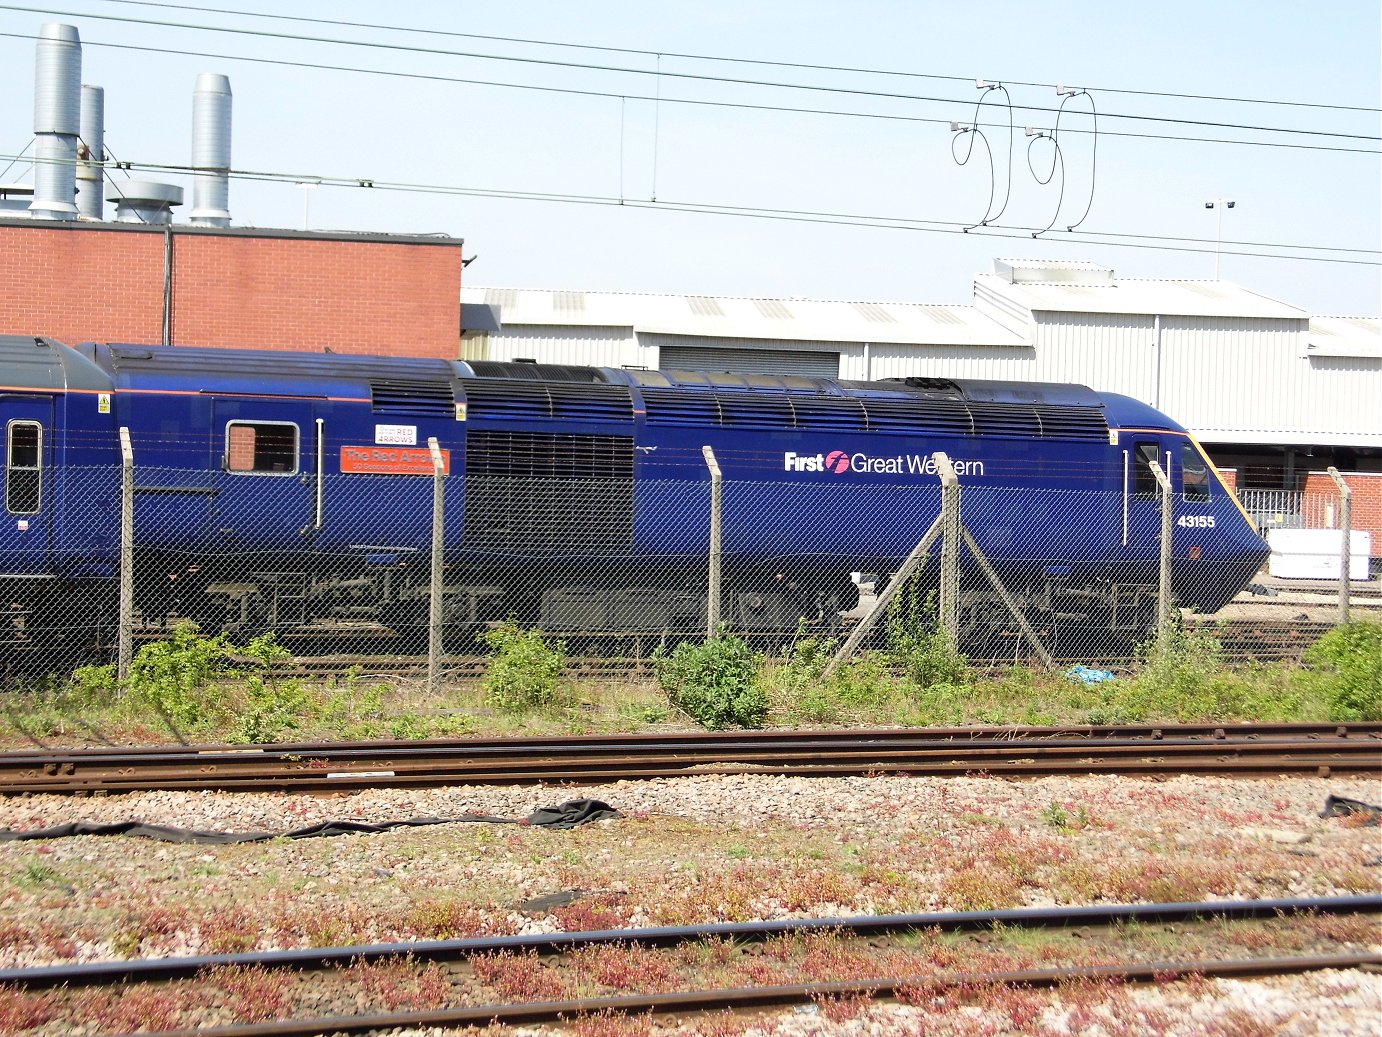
x=841 y=461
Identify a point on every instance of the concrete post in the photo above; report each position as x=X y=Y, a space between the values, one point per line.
x=125 y=623
x=717 y=489
x=1346 y=550
x=436 y=592
x=1163 y=584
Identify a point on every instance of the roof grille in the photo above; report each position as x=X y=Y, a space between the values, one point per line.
x=546 y=401
x=535 y=372
x=416 y=398
x=772 y=308
x=681 y=407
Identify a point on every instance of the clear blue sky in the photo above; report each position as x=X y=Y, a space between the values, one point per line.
x=330 y=122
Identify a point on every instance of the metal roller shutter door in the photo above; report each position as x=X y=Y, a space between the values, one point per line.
x=750 y=361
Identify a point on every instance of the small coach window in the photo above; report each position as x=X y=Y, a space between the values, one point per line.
x=23 y=467
x=262 y=447
x=1194 y=473
x=1144 y=482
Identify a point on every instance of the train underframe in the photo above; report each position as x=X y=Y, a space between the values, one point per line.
x=306 y=598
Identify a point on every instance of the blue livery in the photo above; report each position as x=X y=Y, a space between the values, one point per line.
x=292 y=491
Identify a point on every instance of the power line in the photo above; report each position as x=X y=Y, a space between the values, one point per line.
x=926 y=225
x=658 y=73
x=725 y=59
x=739 y=105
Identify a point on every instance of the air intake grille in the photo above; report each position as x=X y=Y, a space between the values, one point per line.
x=547 y=401
x=413 y=398
x=538 y=491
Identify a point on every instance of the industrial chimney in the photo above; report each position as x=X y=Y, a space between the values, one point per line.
x=91 y=155
x=57 y=98
x=211 y=151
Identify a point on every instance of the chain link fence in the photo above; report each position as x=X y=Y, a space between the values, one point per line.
x=425 y=561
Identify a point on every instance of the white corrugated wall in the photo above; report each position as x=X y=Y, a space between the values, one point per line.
x=1241 y=379
x=1109 y=352
x=549 y=344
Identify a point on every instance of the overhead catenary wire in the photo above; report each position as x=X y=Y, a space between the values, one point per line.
x=796 y=216
x=655 y=72
x=815 y=67
x=627 y=96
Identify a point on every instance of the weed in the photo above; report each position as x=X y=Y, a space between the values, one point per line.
x=37 y=873
x=525 y=672
x=926 y=653
x=273 y=706
x=1057 y=816
x=174 y=676
x=1347 y=668
x=20 y=1011
x=257 y=994
x=715 y=683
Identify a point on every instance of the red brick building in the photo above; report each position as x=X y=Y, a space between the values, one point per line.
x=231 y=287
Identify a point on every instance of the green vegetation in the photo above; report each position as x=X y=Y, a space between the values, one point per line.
x=715 y=683
x=1346 y=670
x=195 y=688
x=525 y=672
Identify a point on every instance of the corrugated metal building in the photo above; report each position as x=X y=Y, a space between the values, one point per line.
x=1262 y=382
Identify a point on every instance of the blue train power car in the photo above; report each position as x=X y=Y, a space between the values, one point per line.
x=287 y=491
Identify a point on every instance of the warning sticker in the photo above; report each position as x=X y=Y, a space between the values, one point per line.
x=391 y=460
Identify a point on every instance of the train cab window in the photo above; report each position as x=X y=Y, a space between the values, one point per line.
x=1144 y=482
x=262 y=447
x=1194 y=474
x=23 y=467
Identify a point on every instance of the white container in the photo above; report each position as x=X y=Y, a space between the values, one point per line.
x=1313 y=554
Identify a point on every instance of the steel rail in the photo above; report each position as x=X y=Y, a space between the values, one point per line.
x=185 y=967
x=1266 y=749
x=741 y=998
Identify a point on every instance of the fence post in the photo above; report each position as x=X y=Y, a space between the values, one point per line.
x=1346 y=527
x=436 y=594
x=1163 y=583
x=717 y=490
x=949 y=603
x=125 y=627
x=914 y=562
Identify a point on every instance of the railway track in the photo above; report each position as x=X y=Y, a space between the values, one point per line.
x=1260 y=749
x=122 y=974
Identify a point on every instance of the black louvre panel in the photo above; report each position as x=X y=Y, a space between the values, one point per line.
x=415 y=398
x=829 y=413
x=1005 y=419
x=681 y=407
x=535 y=372
x=539 y=401
x=538 y=491
x=1073 y=422
x=762 y=409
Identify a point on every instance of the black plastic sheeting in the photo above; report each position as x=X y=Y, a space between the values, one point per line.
x=570 y=814
x=1338 y=806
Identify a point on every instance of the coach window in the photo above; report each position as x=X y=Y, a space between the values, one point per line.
x=23 y=467
x=1144 y=482
x=1194 y=473
x=262 y=447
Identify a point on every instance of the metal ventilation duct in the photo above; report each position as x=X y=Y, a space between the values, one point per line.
x=57 y=97
x=211 y=151
x=144 y=201
x=91 y=154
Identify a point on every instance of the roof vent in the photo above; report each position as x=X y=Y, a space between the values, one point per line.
x=91 y=153
x=57 y=98
x=144 y=201
x=211 y=151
